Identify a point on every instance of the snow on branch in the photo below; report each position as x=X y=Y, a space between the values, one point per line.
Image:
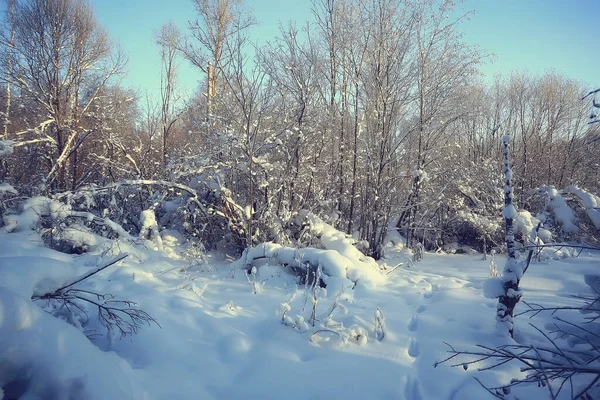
x=122 y=315
x=140 y=182
x=510 y=294
x=561 y=210
x=590 y=202
x=551 y=366
x=304 y=260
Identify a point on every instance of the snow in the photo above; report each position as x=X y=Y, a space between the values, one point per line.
x=220 y=339
x=591 y=203
x=332 y=264
x=47 y=358
x=33 y=210
x=6 y=148
x=561 y=209
x=423 y=177
x=150 y=228
x=6 y=188
x=525 y=224
x=510 y=211
x=361 y=268
x=148 y=220
x=493 y=288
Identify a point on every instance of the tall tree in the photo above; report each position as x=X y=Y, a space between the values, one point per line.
x=168 y=39
x=445 y=65
x=218 y=21
x=59 y=51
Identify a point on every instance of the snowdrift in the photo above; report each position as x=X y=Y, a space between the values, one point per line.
x=340 y=263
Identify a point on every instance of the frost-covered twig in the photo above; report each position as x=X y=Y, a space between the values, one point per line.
x=251 y=276
x=395 y=268
x=561 y=245
x=126 y=318
x=316 y=333
x=112 y=313
x=93 y=272
x=315 y=296
x=379 y=325
x=549 y=367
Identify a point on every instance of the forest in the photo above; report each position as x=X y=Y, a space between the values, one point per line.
x=369 y=132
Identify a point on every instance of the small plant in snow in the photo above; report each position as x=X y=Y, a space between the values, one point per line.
x=300 y=324
x=329 y=322
x=379 y=325
x=493 y=267
x=195 y=256
x=285 y=308
x=418 y=252
x=254 y=284
x=191 y=286
x=316 y=290
x=231 y=308
x=358 y=335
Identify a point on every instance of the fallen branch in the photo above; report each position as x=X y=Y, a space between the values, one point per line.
x=550 y=367
x=93 y=272
x=560 y=245
x=125 y=318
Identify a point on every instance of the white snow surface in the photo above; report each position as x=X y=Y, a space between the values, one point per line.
x=220 y=339
x=510 y=211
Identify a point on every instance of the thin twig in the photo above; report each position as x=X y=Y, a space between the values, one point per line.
x=84 y=277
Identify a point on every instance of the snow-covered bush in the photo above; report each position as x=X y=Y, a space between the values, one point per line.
x=466 y=210
x=570 y=214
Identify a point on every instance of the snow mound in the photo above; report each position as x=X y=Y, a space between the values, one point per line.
x=150 y=228
x=37 y=358
x=33 y=210
x=332 y=263
x=332 y=239
x=27 y=276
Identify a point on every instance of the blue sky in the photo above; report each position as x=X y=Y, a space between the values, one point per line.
x=531 y=35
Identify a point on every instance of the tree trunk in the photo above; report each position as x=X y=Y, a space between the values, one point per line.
x=513 y=270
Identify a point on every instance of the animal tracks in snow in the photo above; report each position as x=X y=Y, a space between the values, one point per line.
x=413 y=348
x=413 y=323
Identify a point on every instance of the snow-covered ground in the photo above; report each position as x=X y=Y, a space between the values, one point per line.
x=221 y=334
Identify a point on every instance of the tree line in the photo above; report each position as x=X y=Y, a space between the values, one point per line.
x=375 y=117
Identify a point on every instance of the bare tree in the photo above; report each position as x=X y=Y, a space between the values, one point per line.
x=513 y=270
x=168 y=39
x=218 y=22
x=58 y=51
x=444 y=66
x=10 y=10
